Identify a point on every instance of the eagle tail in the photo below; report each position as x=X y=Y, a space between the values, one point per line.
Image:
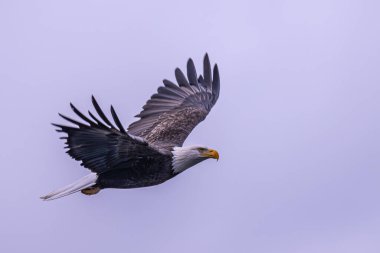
x=81 y=184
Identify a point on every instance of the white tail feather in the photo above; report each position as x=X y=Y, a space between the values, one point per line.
x=81 y=184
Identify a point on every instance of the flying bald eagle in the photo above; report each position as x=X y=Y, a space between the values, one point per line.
x=150 y=151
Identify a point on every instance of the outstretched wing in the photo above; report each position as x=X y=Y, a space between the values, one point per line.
x=171 y=114
x=99 y=144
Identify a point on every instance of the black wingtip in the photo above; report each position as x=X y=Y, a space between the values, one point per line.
x=61 y=128
x=81 y=125
x=216 y=82
x=117 y=120
x=181 y=79
x=191 y=72
x=94 y=102
x=216 y=77
x=81 y=115
x=55 y=124
x=200 y=79
x=216 y=70
x=101 y=113
x=207 y=70
x=169 y=84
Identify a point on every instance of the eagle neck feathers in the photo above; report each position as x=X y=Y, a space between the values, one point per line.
x=184 y=158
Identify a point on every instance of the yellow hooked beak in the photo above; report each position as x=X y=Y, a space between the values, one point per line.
x=211 y=153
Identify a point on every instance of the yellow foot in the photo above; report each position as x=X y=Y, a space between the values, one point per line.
x=91 y=190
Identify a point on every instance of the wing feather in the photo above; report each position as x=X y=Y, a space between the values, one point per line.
x=170 y=115
x=181 y=79
x=215 y=84
x=101 y=113
x=207 y=72
x=192 y=73
x=117 y=121
x=98 y=146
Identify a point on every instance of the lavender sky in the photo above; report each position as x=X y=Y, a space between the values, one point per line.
x=297 y=124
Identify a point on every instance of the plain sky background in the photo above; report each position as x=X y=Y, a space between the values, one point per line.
x=297 y=125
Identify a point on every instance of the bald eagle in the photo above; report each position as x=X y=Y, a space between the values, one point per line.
x=150 y=151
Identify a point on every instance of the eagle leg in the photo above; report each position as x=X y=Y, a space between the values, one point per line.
x=91 y=190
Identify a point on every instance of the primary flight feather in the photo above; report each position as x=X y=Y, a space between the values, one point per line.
x=150 y=151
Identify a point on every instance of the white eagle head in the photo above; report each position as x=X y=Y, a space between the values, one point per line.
x=186 y=157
